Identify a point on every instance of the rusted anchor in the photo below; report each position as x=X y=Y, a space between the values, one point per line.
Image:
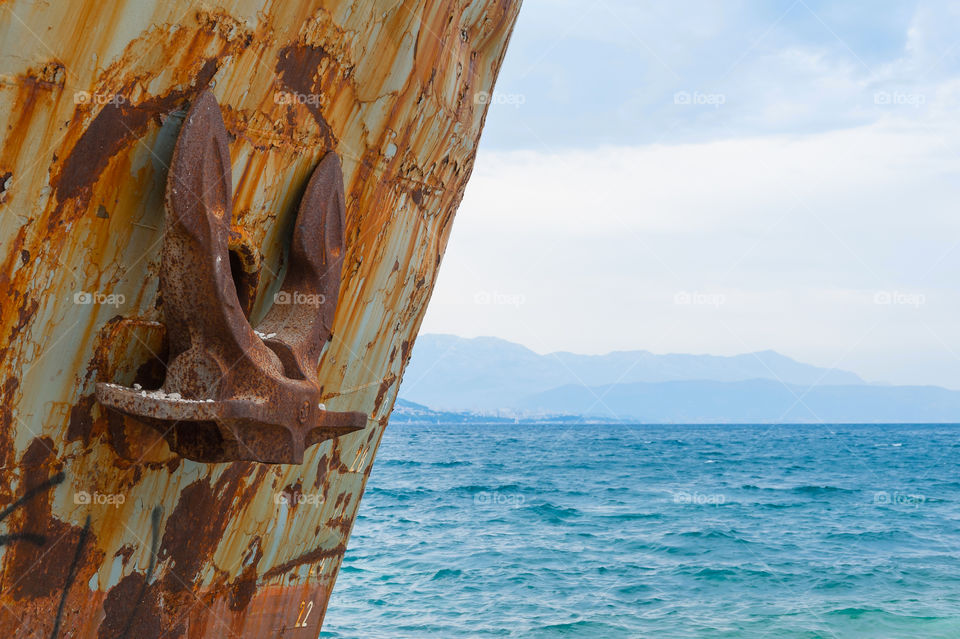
x=232 y=392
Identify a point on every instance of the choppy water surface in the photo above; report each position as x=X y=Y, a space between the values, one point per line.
x=656 y=531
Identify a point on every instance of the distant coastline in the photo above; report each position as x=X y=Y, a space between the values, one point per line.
x=406 y=412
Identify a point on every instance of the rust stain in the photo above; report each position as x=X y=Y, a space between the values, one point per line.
x=188 y=543
x=311 y=557
x=131 y=610
x=298 y=67
x=43 y=554
x=114 y=127
x=81 y=419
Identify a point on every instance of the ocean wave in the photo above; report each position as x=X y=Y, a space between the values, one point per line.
x=855 y=612
x=776 y=505
x=724 y=573
x=755 y=487
x=473 y=489
x=805 y=489
x=870 y=535
x=552 y=513
x=398 y=463
x=813 y=489
x=446 y=573
x=349 y=568
x=712 y=534
x=715 y=574
x=402 y=494
x=632 y=517
x=580 y=629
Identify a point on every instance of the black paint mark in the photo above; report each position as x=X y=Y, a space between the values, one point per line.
x=40 y=540
x=27 y=496
x=71 y=576
x=154 y=547
x=33 y=538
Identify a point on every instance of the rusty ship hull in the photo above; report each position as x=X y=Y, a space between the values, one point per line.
x=107 y=531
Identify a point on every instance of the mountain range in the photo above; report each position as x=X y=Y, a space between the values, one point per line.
x=487 y=375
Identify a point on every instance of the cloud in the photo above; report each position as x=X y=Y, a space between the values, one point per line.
x=698 y=177
x=796 y=236
x=606 y=72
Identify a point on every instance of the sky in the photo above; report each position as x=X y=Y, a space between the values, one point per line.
x=723 y=178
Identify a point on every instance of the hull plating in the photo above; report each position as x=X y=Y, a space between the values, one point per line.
x=106 y=532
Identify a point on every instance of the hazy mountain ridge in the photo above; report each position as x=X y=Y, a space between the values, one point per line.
x=447 y=372
x=488 y=379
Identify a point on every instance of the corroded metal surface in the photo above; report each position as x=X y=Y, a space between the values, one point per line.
x=230 y=392
x=106 y=532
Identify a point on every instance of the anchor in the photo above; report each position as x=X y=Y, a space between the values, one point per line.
x=232 y=392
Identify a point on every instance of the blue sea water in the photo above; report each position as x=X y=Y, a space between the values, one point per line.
x=656 y=531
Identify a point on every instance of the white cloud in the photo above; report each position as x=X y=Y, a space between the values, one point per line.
x=795 y=235
x=826 y=179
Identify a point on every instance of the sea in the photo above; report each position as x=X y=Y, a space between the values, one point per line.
x=662 y=531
